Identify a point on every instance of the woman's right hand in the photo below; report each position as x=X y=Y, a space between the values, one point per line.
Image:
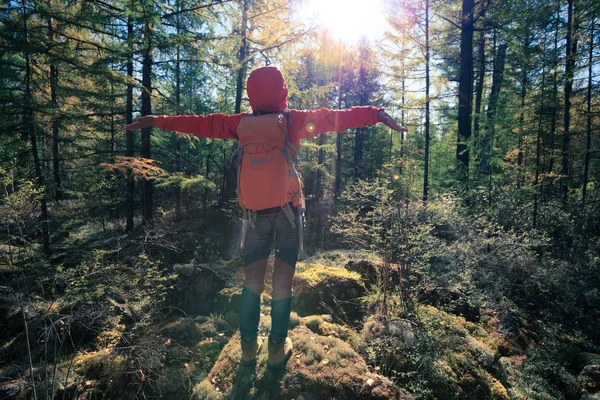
x=146 y=121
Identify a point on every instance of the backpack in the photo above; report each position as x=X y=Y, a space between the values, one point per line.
x=267 y=174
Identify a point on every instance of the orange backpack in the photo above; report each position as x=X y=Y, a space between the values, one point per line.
x=267 y=174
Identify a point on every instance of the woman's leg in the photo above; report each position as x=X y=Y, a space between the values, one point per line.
x=256 y=254
x=286 y=254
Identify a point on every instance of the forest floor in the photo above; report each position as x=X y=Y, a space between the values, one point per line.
x=114 y=323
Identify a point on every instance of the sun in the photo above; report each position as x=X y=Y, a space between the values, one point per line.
x=347 y=20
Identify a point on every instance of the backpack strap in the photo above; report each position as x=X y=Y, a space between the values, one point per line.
x=295 y=173
x=289 y=213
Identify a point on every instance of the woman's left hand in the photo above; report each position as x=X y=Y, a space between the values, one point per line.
x=390 y=122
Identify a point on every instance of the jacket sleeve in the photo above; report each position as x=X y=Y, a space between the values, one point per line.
x=315 y=122
x=220 y=126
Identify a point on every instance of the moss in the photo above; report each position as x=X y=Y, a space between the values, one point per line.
x=206 y=391
x=294 y=320
x=460 y=356
x=322 y=325
x=315 y=273
x=188 y=331
x=321 y=289
x=321 y=367
x=109 y=338
x=315 y=323
x=94 y=364
x=170 y=382
x=498 y=392
x=228 y=299
x=233 y=319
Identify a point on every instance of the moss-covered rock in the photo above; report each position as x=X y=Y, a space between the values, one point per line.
x=589 y=379
x=511 y=331
x=321 y=289
x=323 y=325
x=463 y=361
x=196 y=288
x=18 y=389
x=228 y=299
x=320 y=368
x=190 y=331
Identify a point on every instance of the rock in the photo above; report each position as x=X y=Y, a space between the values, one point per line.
x=322 y=368
x=372 y=271
x=15 y=390
x=589 y=379
x=319 y=289
x=514 y=335
x=228 y=299
x=189 y=331
x=398 y=335
x=196 y=287
x=377 y=327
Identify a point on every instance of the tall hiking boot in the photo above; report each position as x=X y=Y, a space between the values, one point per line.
x=279 y=353
x=250 y=349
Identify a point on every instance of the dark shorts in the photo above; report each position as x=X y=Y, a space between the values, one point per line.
x=259 y=240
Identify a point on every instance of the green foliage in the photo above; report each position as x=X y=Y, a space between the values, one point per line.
x=20 y=199
x=193 y=185
x=375 y=215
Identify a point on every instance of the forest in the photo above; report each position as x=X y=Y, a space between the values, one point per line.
x=458 y=260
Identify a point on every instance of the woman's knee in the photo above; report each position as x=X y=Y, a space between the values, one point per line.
x=255 y=287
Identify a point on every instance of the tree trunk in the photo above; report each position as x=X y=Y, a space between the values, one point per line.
x=402 y=116
x=231 y=173
x=571 y=48
x=588 y=141
x=177 y=142
x=555 y=108
x=498 y=76
x=320 y=161
x=427 y=79
x=480 y=82
x=358 y=153
x=206 y=192
x=338 y=141
x=524 y=73
x=465 y=90
x=29 y=131
x=538 y=150
x=52 y=38
x=242 y=62
x=130 y=191
x=147 y=186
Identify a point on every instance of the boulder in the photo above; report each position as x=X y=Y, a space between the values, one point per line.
x=196 y=288
x=512 y=332
x=190 y=331
x=320 y=289
x=589 y=379
x=15 y=390
x=228 y=299
x=320 y=368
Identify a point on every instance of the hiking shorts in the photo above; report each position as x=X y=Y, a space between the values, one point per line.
x=259 y=240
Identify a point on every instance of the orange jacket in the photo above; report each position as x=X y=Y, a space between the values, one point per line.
x=304 y=123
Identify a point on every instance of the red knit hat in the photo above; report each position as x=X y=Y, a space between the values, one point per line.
x=267 y=90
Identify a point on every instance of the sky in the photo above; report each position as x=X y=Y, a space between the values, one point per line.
x=347 y=20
